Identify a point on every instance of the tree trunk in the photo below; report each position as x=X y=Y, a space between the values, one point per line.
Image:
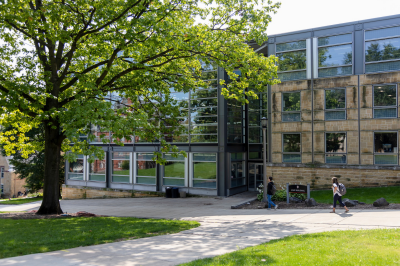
x=51 y=190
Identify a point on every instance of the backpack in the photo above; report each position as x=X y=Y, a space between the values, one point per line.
x=342 y=189
x=273 y=190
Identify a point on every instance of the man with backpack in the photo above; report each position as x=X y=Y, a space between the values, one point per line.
x=270 y=192
x=338 y=190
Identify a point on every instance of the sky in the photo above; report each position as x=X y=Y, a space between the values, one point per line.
x=294 y=15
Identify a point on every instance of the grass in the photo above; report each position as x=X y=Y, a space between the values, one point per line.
x=11 y=211
x=44 y=235
x=367 y=195
x=365 y=247
x=18 y=201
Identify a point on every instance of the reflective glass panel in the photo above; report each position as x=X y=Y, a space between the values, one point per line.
x=385 y=113
x=291 y=61
x=291 y=142
x=204 y=102
x=146 y=180
x=331 y=40
x=121 y=155
x=386 y=159
x=204 y=157
x=205 y=183
x=174 y=182
x=291 y=46
x=291 y=158
x=292 y=75
x=205 y=94
x=97 y=170
x=76 y=167
x=291 y=117
x=382 y=50
x=382 y=67
x=203 y=138
x=335 y=115
x=121 y=167
x=204 y=170
x=146 y=168
x=335 y=55
x=382 y=33
x=335 y=71
x=336 y=159
x=291 y=101
x=385 y=95
x=174 y=169
x=335 y=99
x=336 y=142
x=209 y=75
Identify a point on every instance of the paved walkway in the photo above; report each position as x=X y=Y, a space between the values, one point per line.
x=222 y=229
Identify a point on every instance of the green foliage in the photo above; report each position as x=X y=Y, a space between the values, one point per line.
x=360 y=247
x=125 y=165
x=31 y=168
x=260 y=195
x=367 y=195
x=44 y=235
x=71 y=66
x=291 y=101
x=280 y=195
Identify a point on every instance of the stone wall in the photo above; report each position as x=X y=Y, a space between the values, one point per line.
x=320 y=177
x=75 y=192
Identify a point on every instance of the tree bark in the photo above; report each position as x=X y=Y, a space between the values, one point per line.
x=51 y=190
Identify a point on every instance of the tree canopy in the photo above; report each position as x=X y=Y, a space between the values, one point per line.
x=69 y=64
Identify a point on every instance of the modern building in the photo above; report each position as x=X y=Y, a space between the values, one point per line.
x=335 y=113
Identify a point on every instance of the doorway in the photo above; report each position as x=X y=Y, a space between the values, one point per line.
x=255 y=175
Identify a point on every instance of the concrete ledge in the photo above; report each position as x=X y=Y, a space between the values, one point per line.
x=80 y=192
x=242 y=203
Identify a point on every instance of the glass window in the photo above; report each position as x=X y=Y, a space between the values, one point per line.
x=146 y=169
x=335 y=148
x=385 y=101
x=174 y=170
x=76 y=169
x=291 y=57
x=238 y=174
x=205 y=170
x=97 y=170
x=235 y=120
x=291 y=148
x=335 y=55
x=291 y=107
x=121 y=166
x=385 y=148
x=335 y=104
x=378 y=50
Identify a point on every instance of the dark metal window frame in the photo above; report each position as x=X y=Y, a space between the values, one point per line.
x=337 y=109
x=378 y=39
x=397 y=142
x=289 y=153
x=294 y=50
x=384 y=107
x=333 y=153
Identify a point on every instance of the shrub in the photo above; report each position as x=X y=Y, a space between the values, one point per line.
x=280 y=195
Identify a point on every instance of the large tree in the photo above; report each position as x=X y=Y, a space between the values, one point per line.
x=60 y=61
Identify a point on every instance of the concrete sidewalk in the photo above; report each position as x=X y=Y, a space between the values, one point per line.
x=222 y=229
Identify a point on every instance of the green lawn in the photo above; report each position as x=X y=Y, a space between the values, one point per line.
x=11 y=211
x=367 y=195
x=43 y=235
x=17 y=201
x=364 y=247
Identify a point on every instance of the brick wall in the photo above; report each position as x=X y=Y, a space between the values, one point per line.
x=75 y=192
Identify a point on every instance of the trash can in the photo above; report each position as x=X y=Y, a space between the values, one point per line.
x=168 y=192
x=175 y=192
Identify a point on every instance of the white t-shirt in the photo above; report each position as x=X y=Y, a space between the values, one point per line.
x=337 y=189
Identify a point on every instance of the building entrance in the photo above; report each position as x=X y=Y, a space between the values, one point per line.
x=255 y=175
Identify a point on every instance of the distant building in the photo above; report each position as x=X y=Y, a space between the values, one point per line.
x=336 y=112
x=10 y=184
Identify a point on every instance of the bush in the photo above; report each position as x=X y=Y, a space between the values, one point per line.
x=280 y=195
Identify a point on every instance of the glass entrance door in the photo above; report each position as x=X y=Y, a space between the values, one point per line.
x=255 y=175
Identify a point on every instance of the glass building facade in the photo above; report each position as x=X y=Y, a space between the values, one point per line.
x=335 y=108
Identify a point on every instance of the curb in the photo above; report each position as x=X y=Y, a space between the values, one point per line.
x=243 y=203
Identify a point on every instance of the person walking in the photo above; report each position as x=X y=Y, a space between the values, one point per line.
x=269 y=194
x=336 y=195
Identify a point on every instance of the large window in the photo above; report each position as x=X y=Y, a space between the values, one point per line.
x=291 y=107
x=382 y=50
x=385 y=101
x=203 y=104
x=291 y=148
x=335 y=55
x=182 y=101
x=257 y=109
x=76 y=169
x=205 y=170
x=1 y=172
x=335 y=148
x=335 y=104
x=292 y=57
x=385 y=148
x=121 y=167
x=97 y=170
x=146 y=169
x=174 y=170
x=238 y=174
